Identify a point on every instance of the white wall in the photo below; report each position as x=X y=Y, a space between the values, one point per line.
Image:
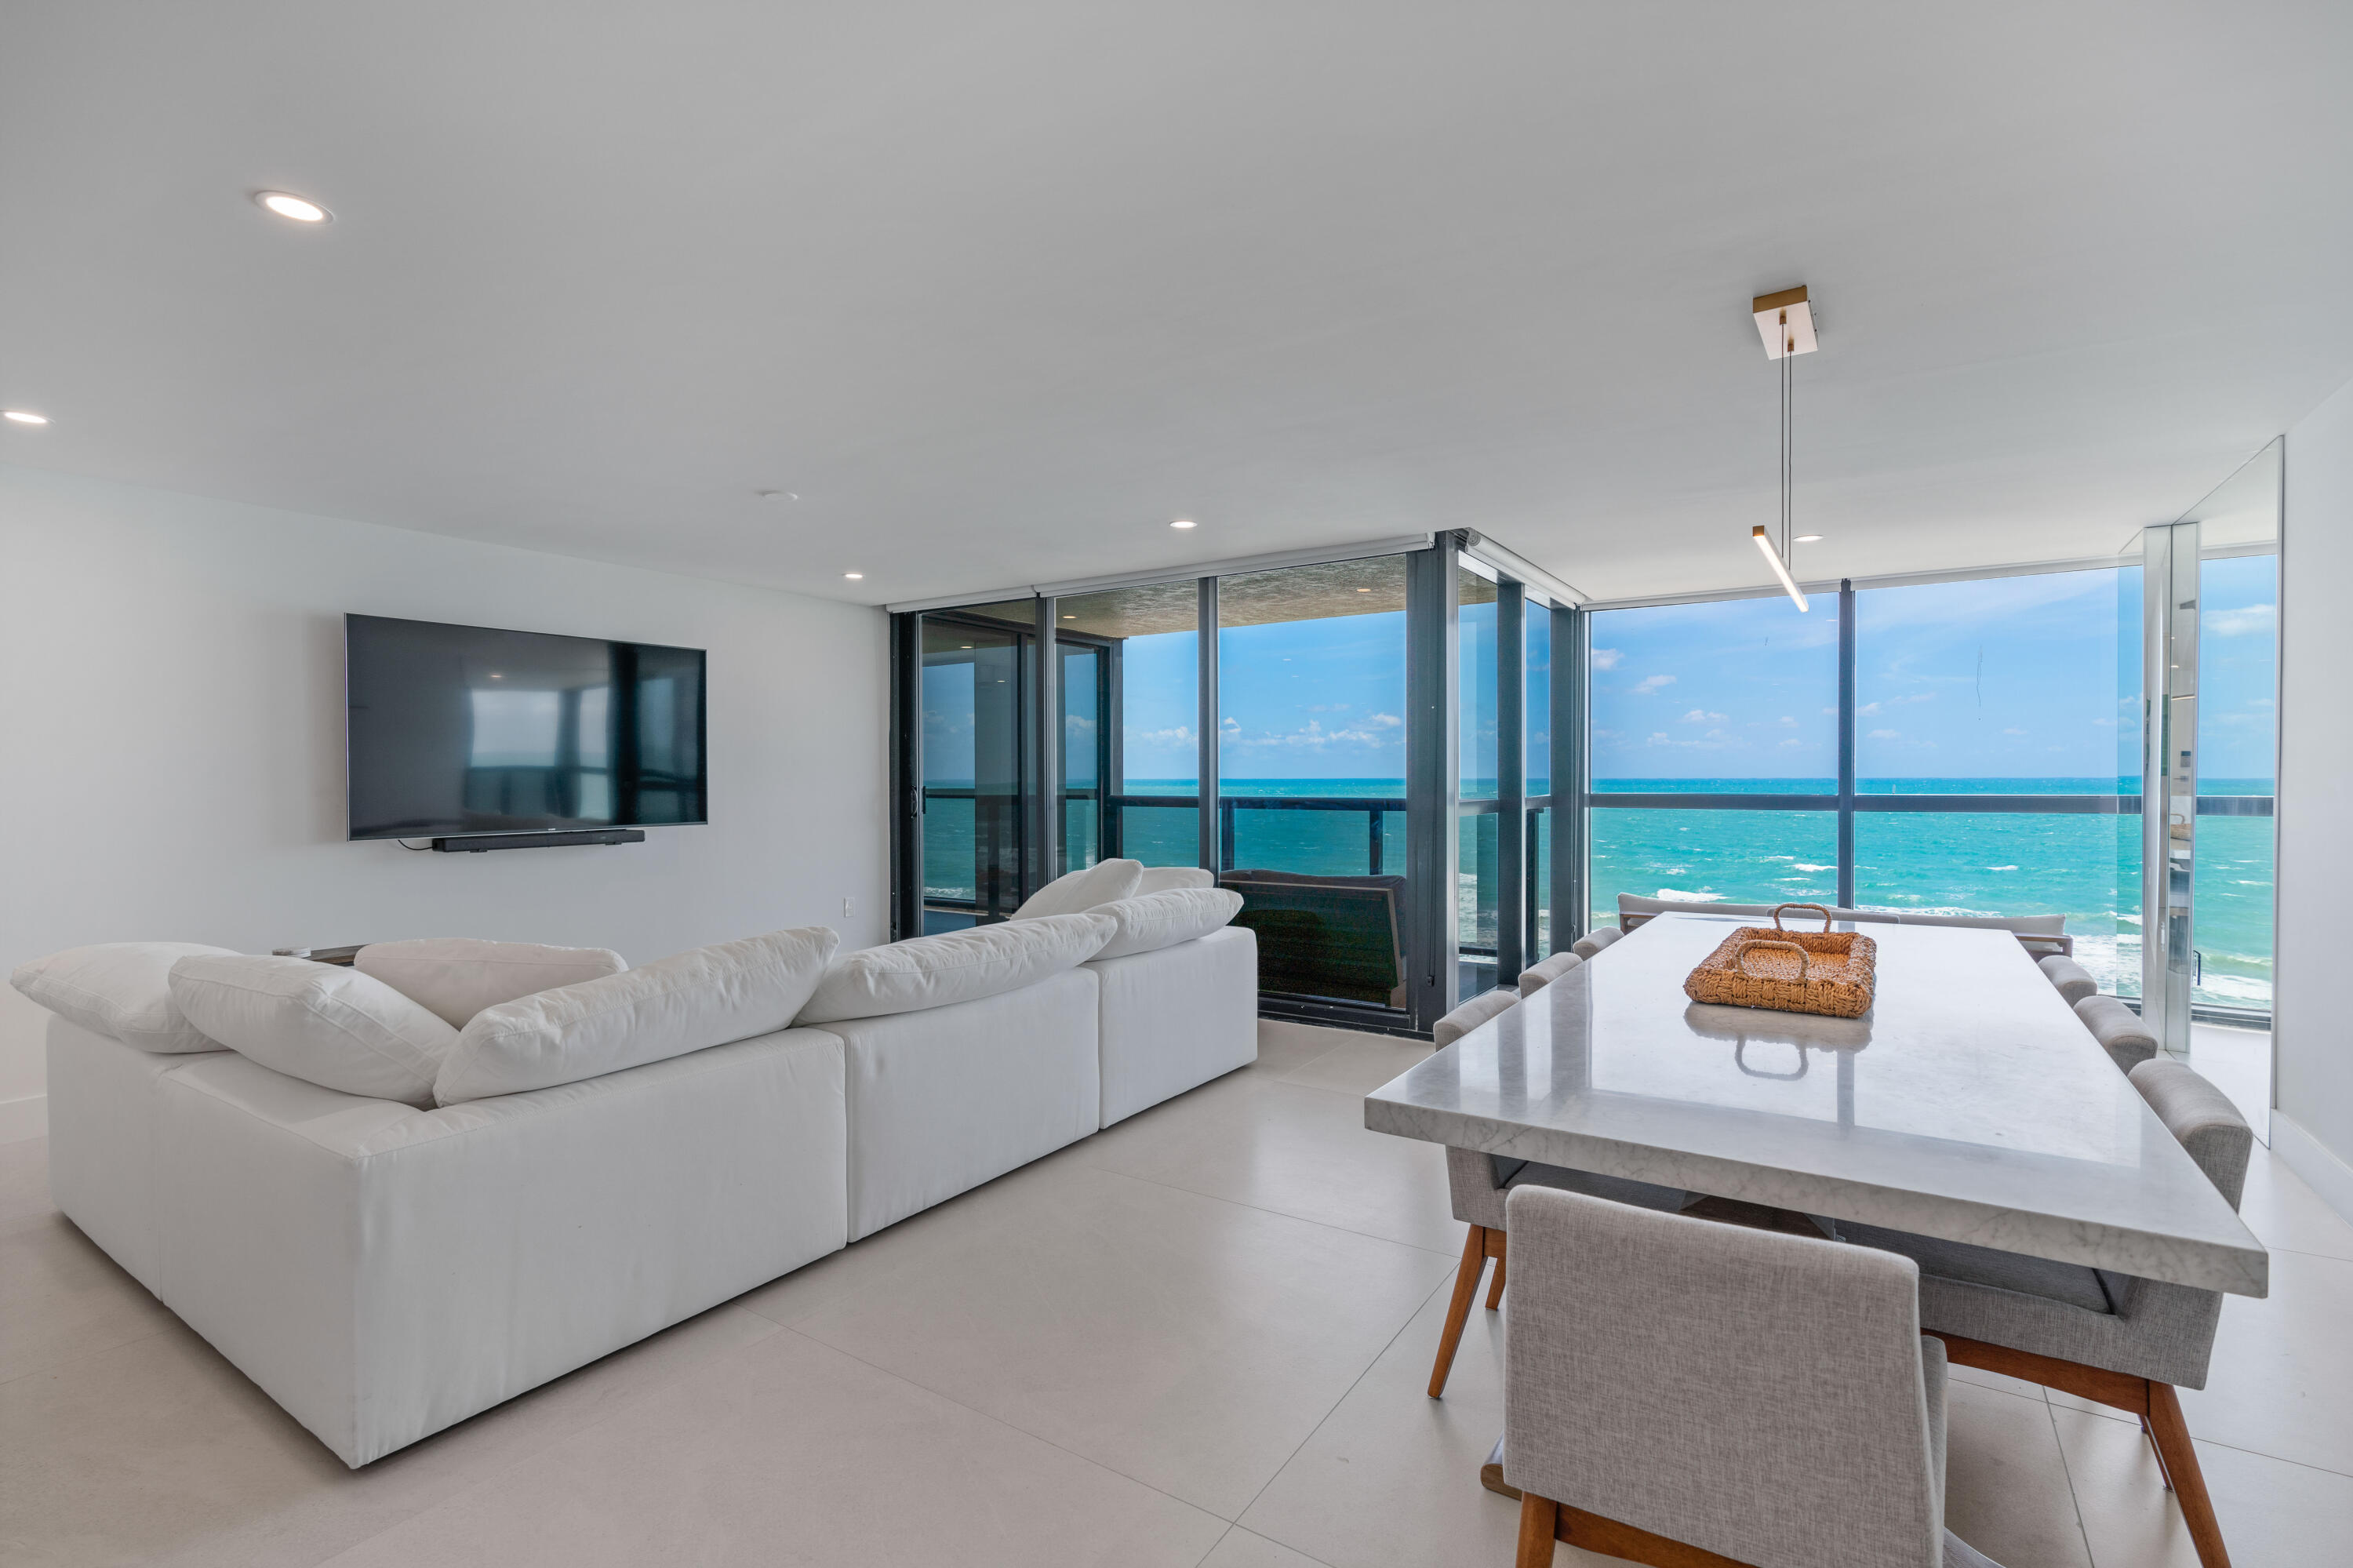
x=171 y=745
x=2312 y=1126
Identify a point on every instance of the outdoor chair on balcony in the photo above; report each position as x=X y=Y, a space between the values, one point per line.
x=1328 y=937
x=1477 y=1184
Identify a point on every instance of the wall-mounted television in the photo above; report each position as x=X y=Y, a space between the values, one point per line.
x=466 y=729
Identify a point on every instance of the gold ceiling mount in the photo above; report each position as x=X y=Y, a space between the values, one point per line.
x=1786 y=322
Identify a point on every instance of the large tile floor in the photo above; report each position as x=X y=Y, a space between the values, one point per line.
x=1199 y=1337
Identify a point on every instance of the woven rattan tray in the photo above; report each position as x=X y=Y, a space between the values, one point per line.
x=1825 y=971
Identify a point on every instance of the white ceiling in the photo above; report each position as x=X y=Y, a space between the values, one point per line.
x=1000 y=289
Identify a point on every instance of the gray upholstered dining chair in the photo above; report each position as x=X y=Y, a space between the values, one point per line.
x=2073 y=982
x=1478 y=1183
x=2119 y=1030
x=2108 y=1337
x=1688 y=1394
x=1593 y=941
x=1535 y=976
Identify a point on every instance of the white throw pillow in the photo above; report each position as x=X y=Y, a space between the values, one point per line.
x=320 y=1023
x=956 y=966
x=1080 y=891
x=456 y=977
x=1162 y=878
x=119 y=989
x=1159 y=921
x=687 y=1002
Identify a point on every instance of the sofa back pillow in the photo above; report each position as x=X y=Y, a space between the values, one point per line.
x=1161 y=878
x=121 y=989
x=1164 y=920
x=956 y=966
x=687 y=1002
x=1077 y=892
x=456 y=977
x=320 y=1023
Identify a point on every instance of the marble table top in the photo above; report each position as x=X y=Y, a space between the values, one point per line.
x=1969 y=1103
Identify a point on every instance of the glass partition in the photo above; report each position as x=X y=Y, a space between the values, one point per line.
x=1478 y=875
x=2238 y=660
x=972 y=770
x=1140 y=735
x=1536 y=765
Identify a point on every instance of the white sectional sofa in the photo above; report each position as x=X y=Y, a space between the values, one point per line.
x=384 y=1271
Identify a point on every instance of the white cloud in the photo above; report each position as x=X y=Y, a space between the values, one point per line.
x=1701 y=715
x=1648 y=683
x=1793 y=743
x=1383 y=721
x=1885 y=735
x=2242 y=622
x=1606 y=658
x=1180 y=734
x=2013 y=732
x=1869 y=708
x=1787 y=719
x=1659 y=738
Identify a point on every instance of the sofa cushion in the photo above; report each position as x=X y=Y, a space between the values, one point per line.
x=1155 y=920
x=1080 y=891
x=456 y=977
x=1161 y=878
x=121 y=990
x=956 y=966
x=687 y=1002
x=319 y=1022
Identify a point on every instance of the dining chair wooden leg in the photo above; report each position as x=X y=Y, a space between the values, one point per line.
x=2175 y=1451
x=1496 y=1287
x=1458 y=1311
x=1538 y=1518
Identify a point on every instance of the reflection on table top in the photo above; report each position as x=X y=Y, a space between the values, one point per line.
x=1969 y=1103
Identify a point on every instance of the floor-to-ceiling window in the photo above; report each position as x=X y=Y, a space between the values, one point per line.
x=1312 y=785
x=2238 y=669
x=1138 y=727
x=1363 y=750
x=1997 y=700
x=1714 y=752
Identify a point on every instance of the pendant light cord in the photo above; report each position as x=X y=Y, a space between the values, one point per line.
x=1786 y=440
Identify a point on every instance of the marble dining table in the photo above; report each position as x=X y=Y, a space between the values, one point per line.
x=1969 y=1103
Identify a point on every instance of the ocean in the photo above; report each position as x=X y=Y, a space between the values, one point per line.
x=2084 y=868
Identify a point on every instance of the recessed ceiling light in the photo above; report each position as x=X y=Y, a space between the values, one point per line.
x=854 y=576
x=776 y=495
x=1364 y=590
x=24 y=417
x=293 y=206
x=1181 y=523
x=1070 y=618
x=1810 y=538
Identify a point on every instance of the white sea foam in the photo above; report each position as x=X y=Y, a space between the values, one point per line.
x=1684 y=897
x=2001 y=868
x=1802 y=866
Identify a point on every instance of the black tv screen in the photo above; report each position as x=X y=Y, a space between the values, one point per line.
x=465 y=729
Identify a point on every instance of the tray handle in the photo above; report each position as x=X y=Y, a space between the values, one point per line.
x=1823 y=910
x=1740 y=957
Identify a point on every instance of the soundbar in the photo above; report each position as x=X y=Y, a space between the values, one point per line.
x=479 y=843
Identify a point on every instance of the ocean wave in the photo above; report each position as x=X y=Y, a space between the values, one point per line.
x=2001 y=868
x=1687 y=897
x=1802 y=866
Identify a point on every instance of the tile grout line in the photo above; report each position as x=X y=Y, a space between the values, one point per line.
x=1087 y=1460
x=2074 y=1500
x=1325 y=1419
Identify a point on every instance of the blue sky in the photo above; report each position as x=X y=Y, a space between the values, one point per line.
x=1999 y=678
x=2005 y=677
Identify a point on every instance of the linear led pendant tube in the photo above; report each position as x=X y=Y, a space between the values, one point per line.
x=1773 y=558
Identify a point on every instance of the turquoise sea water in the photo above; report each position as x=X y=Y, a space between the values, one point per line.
x=2084 y=868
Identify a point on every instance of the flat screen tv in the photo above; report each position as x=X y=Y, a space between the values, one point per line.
x=464 y=729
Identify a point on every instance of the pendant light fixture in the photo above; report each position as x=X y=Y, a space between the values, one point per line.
x=1786 y=322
